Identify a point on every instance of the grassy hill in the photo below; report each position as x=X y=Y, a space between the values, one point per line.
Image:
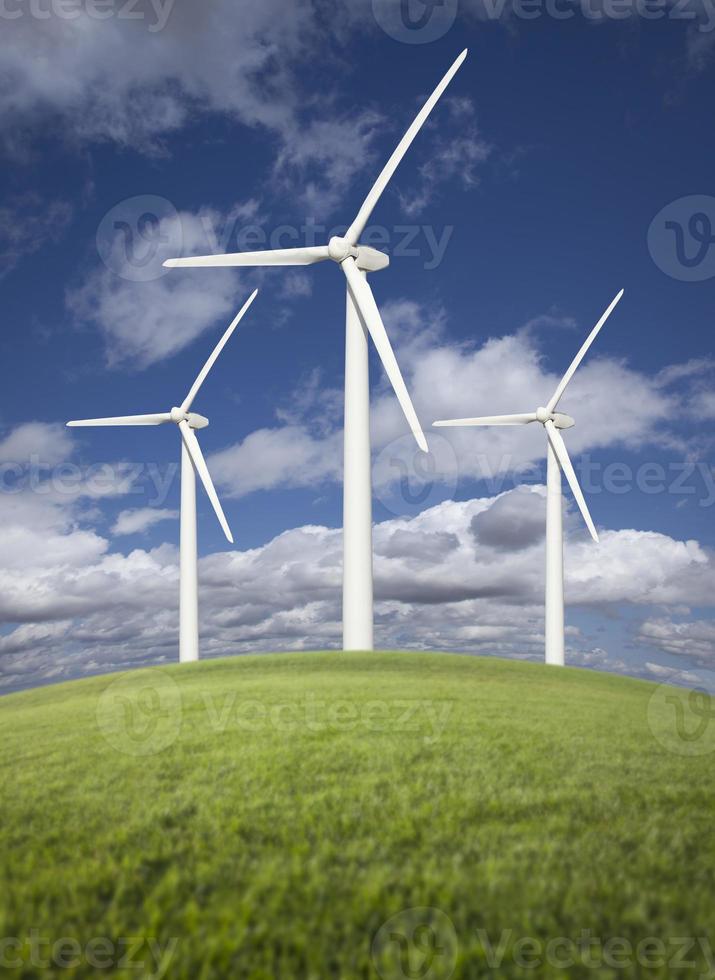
x=356 y=815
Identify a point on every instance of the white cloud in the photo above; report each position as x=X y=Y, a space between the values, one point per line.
x=283 y=457
x=455 y=152
x=122 y=79
x=146 y=70
x=672 y=675
x=614 y=406
x=50 y=443
x=296 y=285
x=439 y=585
x=144 y=322
x=694 y=640
x=336 y=149
x=140 y=519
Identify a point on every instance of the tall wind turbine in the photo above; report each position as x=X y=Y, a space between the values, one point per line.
x=557 y=460
x=362 y=317
x=192 y=462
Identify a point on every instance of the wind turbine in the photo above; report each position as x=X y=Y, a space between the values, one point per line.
x=557 y=460
x=362 y=317
x=192 y=462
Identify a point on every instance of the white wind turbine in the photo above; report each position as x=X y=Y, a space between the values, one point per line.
x=192 y=462
x=362 y=317
x=557 y=460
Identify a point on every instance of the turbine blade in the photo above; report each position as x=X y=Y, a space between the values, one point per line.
x=363 y=216
x=197 y=458
x=124 y=420
x=559 y=447
x=367 y=308
x=581 y=354
x=186 y=405
x=492 y=420
x=278 y=256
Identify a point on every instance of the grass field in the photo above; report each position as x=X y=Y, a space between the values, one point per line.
x=264 y=817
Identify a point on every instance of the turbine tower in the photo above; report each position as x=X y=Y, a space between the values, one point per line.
x=362 y=318
x=557 y=460
x=192 y=462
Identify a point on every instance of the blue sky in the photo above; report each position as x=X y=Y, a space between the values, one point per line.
x=532 y=196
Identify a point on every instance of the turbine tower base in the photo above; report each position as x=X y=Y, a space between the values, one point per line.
x=554 y=620
x=357 y=488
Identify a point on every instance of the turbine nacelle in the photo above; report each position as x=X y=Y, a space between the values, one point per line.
x=195 y=420
x=368 y=259
x=552 y=421
x=560 y=420
x=355 y=260
x=187 y=421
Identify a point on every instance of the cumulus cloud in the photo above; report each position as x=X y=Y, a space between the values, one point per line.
x=514 y=521
x=51 y=443
x=694 y=640
x=43 y=500
x=135 y=76
x=144 y=322
x=138 y=73
x=446 y=380
x=140 y=519
x=83 y=609
x=285 y=457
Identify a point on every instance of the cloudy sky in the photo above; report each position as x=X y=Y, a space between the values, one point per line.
x=572 y=156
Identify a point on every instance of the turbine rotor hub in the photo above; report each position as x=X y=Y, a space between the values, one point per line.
x=340 y=249
x=543 y=416
x=177 y=415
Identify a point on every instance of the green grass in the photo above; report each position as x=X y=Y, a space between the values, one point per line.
x=270 y=813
